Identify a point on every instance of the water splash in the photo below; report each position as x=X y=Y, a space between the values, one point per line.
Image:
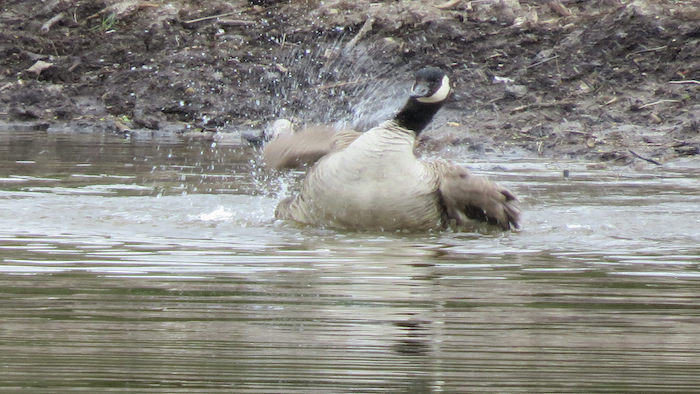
x=322 y=83
x=273 y=184
x=220 y=214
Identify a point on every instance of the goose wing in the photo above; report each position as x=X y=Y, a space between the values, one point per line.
x=468 y=196
x=306 y=147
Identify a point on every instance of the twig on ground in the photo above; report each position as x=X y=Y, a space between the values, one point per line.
x=206 y=18
x=542 y=62
x=366 y=27
x=644 y=158
x=49 y=23
x=637 y=108
x=235 y=22
x=685 y=81
x=558 y=104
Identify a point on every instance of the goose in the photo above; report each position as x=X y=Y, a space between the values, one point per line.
x=374 y=181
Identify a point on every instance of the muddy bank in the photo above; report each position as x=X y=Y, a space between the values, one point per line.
x=603 y=79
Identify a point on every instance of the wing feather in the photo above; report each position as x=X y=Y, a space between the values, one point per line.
x=306 y=147
x=468 y=196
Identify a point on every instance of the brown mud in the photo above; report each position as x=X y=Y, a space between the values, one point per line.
x=611 y=80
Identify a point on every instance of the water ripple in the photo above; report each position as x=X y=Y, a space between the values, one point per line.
x=161 y=268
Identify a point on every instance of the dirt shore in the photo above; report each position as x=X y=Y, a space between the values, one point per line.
x=607 y=80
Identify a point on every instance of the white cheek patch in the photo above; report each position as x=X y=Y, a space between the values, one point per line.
x=440 y=94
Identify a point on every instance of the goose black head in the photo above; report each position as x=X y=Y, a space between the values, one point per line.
x=432 y=85
x=429 y=92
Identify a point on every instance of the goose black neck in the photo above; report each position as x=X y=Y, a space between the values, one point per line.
x=415 y=116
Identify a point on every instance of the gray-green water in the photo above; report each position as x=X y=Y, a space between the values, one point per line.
x=159 y=266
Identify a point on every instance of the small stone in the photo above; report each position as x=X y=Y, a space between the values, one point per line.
x=516 y=91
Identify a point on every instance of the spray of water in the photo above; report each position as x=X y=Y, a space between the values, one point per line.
x=333 y=83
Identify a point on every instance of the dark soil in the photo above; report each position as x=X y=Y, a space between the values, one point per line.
x=602 y=79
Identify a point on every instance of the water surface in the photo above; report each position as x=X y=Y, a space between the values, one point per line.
x=132 y=264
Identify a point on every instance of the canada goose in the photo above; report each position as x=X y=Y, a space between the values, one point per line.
x=374 y=181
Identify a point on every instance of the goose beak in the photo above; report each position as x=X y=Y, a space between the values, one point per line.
x=420 y=90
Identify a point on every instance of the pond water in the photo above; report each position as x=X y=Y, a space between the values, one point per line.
x=134 y=264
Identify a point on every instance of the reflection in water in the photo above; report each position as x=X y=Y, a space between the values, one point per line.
x=141 y=266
